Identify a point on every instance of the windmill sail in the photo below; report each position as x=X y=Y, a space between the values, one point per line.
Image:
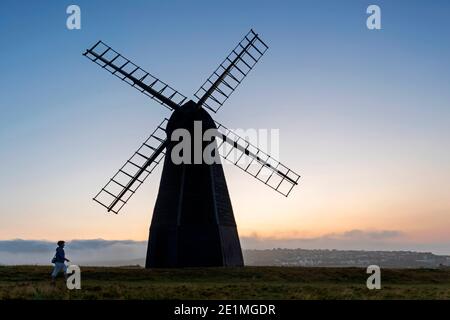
x=116 y=193
x=127 y=71
x=255 y=162
x=230 y=73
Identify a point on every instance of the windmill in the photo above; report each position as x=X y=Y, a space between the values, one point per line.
x=193 y=222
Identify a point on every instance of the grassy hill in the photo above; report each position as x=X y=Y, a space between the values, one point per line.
x=32 y=282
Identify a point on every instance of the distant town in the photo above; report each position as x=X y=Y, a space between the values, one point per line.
x=344 y=258
x=99 y=252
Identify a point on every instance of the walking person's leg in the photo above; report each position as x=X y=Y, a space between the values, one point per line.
x=54 y=274
x=56 y=270
x=64 y=268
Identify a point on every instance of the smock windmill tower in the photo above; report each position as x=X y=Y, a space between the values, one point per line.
x=193 y=222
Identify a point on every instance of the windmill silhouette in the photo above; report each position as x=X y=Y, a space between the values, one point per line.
x=193 y=222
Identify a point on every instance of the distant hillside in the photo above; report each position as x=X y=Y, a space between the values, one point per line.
x=100 y=252
x=341 y=258
x=320 y=258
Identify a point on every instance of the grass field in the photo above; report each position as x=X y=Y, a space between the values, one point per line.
x=32 y=282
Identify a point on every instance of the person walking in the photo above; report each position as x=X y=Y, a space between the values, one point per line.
x=59 y=260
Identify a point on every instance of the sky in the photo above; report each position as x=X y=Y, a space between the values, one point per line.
x=363 y=116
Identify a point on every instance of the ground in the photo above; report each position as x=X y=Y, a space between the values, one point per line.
x=33 y=282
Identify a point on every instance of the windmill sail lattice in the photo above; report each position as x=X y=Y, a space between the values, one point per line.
x=230 y=73
x=116 y=193
x=127 y=71
x=255 y=162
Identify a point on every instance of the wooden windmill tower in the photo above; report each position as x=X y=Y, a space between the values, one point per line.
x=193 y=222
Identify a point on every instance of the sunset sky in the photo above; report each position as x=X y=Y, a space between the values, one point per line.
x=364 y=115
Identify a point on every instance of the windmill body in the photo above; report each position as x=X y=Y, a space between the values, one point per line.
x=193 y=223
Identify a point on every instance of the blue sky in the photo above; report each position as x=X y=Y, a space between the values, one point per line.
x=363 y=115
